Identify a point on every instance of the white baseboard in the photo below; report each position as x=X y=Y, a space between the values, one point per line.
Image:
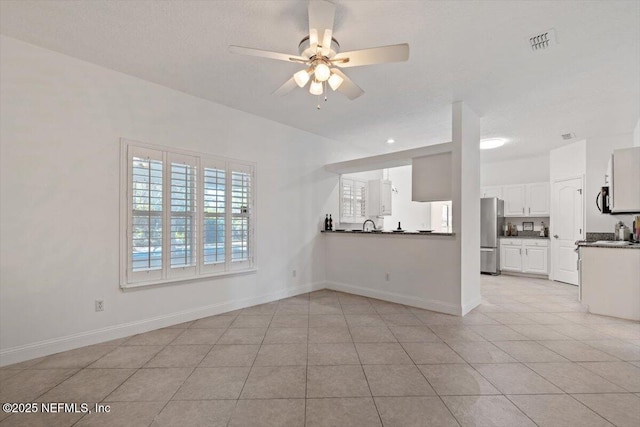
x=466 y=308
x=427 y=304
x=43 y=348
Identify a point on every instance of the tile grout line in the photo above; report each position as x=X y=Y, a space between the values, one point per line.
x=375 y=405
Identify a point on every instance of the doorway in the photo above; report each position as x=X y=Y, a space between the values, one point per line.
x=567 y=226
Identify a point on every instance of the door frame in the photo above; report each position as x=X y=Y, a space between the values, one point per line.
x=553 y=210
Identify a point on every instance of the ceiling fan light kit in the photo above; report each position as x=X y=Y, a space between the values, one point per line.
x=320 y=52
x=315 y=88
x=302 y=77
x=335 y=81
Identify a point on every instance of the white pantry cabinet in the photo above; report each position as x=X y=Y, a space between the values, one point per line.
x=379 y=198
x=522 y=200
x=524 y=255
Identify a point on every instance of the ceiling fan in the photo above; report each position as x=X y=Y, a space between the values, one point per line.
x=321 y=56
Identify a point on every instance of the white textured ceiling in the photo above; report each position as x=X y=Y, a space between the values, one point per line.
x=478 y=52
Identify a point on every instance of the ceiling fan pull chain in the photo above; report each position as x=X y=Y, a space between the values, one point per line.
x=318 y=102
x=324 y=89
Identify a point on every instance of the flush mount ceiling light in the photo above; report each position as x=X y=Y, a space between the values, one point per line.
x=390 y=141
x=319 y=52
x=490 y=143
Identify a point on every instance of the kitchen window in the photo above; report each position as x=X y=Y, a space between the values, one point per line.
x=184 y=215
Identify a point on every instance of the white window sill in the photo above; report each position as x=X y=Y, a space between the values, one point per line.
x=180 y=280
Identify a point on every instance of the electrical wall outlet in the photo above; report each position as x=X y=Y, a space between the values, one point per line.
x=387 y=276
x=295 y=273
x=99 y=305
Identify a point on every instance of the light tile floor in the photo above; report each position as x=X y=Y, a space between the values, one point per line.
x=529 y=355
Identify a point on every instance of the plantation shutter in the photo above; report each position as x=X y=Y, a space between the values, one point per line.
x=145 y=216
x=347 y=211
x=241 y=227
x=214 y=210
x=182 y=215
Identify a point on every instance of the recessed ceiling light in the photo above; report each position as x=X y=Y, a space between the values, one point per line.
x=390 y=141
x=489 y=143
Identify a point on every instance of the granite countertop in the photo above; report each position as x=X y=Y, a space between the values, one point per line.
x=602 y=244
x=388 y=233
x=523 y=237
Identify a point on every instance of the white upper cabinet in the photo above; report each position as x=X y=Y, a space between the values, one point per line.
x=625 y=194
x=379 y=198
x=523 y=199
x=491 y=192
x=514 y=200
x=538 y=199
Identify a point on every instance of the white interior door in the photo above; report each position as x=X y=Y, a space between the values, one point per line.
x=566 y=227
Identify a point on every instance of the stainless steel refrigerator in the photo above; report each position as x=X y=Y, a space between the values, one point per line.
x=491 y=222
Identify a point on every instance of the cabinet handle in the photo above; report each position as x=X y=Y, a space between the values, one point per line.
x=526 y=251
x=523 y=210
x=520 y=251
x=529 y=211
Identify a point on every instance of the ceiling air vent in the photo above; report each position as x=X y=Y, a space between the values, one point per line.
x=568 y=136
x=543 y=40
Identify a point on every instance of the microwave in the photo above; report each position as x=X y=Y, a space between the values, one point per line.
x=621 y=193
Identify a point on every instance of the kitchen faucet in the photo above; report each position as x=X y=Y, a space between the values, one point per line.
x=365 y=223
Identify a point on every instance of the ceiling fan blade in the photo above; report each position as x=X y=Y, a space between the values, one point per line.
x=321 y=15
x=287 y=87
x=326 y=43
x=348 y=88
x=266 y=54
x=374 y=55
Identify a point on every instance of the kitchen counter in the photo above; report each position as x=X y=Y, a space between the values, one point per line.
x=610 y=280
x=406 y=268
x=607 y=244
x=388 y=233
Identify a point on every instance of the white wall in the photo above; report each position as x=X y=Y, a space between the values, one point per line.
x=568 y=161
x=412 y=215
x=516 y=171
x=465 y=201
x=636 y=134
x=598 y=151
x=59 y=205
x=422 y=270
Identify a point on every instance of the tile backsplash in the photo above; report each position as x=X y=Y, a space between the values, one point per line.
x=592 y=237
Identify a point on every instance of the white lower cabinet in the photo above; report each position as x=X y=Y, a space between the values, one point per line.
x=524 y=255
x=511 y=258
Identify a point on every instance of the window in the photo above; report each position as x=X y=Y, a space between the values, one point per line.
x=353 y=200
x=184 y=216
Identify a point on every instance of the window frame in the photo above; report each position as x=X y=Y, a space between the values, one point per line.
x=167 y=274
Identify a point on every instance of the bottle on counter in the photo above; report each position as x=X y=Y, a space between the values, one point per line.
x=618 y=235
x=330 y=223
x=542 y=229
x=326 y=222
x=624 y=233
x=508 y=233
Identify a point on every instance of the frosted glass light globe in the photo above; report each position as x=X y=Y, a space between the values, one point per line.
x=322 y=72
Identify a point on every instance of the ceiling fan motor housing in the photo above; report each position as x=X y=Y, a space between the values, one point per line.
x=304 y=48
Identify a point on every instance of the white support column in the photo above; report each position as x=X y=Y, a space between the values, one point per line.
x=465 y=171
